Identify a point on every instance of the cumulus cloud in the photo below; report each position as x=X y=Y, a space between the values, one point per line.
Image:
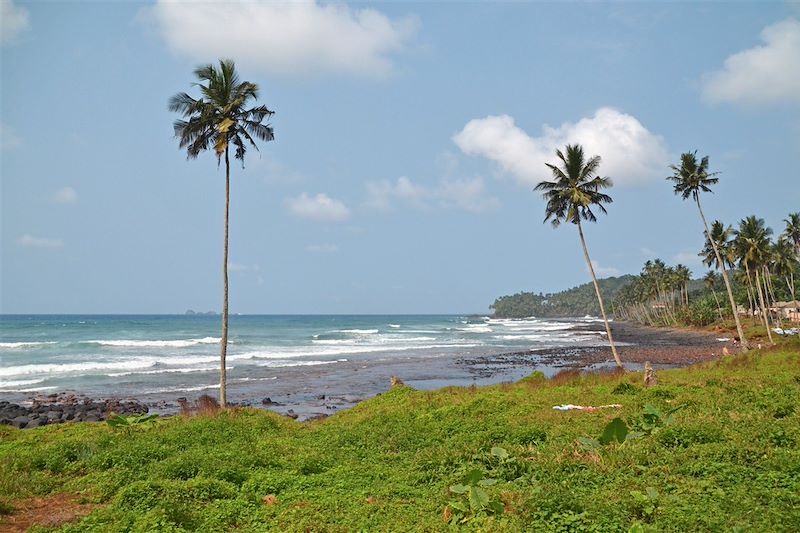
x=29 y=241
x=293 y=38
x=65 y=195
x=603 y=271
x=631 y=154
x=322 y=248
x=466 y=194
x=14 y=20
x=763 y=74
x=320 y=207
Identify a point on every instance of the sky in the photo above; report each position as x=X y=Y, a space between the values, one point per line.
x=408 y=139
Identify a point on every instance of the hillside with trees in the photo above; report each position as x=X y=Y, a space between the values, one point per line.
x=577 y=301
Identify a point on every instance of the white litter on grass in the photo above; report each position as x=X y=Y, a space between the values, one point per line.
x=723 y=339
x=570 y=407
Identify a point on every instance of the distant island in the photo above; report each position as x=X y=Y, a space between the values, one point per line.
x=577 y=301
x=207 y=313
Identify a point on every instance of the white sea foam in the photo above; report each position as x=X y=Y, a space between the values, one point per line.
x=394 y=326
x=165 y=371
x=20 y=383
x=26 y=344
x=31 y=389
x=282 y=364
x=359 y=331
x=476 y=328
x=182 y=343
x=89 y=367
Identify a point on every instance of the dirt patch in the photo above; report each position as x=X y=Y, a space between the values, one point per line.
x=47 y=511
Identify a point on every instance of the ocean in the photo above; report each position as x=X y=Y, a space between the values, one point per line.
x=177 y=355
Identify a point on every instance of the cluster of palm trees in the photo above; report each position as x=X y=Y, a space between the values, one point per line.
x=763 y=267
x=655 y=296
x=659 y=290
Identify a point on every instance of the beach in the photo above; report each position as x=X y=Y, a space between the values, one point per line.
x=309 y=391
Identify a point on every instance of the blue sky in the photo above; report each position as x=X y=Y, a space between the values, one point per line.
x=408 y=140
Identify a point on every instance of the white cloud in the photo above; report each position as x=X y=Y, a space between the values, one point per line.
x=322 y=248
x=602 y=271
x=763 y=74
x=381 y=194
x=293 y=38
x=14 y=20
x=630 y=153
x=30 y=241
x=319 y=207
x=65 y=195
x=467 y=194
x=8 y=139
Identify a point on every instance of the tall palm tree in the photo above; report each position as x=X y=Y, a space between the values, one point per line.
x=570 y=198
x=722 y=238
x=785 y=262
x=793 y=230
x=218 y=119
x=753 y=248
x=691 y=178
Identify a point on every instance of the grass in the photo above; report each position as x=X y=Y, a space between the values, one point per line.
x=729 y=461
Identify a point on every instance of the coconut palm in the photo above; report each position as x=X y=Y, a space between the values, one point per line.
x=218 y=119
x=793 y=230
x=785 y=263
x=753 y=248
x=691 y=178
x=570 y=198
x=722 y=238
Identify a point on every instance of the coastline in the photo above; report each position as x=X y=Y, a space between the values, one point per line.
x=316 y=392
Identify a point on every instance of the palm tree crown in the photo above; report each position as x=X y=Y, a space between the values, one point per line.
x=793 y=229
x=575 y=189
x=219 y=117
x=692 y=177
x=722 y=238
x=752 y=242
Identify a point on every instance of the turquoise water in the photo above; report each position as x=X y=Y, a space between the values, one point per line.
x=130 y=355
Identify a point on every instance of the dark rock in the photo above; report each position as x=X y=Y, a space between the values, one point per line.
x=37 y=422
x=291 y=414
x=20 y=422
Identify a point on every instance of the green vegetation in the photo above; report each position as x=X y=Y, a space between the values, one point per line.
x=219 y=119
x=714 y=448
x=572 y=194
x=577 y=301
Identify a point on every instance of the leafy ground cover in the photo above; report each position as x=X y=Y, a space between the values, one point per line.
x=713 y=447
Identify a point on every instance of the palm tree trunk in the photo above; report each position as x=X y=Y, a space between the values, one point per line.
x=719 y=308
x=599 y=296
x=721 y=266
x=754 y=299
x=770 y=288
x=763 y=307
x=223 y=343
x=790 y=284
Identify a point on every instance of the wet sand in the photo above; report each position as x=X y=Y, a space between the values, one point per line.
x=316 y=391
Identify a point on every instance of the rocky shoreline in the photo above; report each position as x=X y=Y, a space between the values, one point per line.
x=61 y=408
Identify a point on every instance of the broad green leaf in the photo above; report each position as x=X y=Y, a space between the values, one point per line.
x=496 y=507
x=472 y=477
x=615 y=430
x=477 y=498
x=459 y=489
x=500 y=453
x=487 y=482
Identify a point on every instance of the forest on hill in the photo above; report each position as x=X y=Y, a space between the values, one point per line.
x=577 y=301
